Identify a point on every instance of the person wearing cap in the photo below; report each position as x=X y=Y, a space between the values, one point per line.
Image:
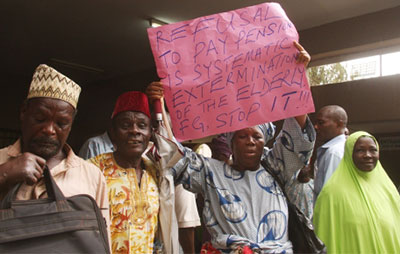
x=245 y=209
x=134 y=182
x=46 y=120
x=244 y=206
x=185 y=202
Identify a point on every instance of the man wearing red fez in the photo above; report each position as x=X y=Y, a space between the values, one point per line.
x=133 y=180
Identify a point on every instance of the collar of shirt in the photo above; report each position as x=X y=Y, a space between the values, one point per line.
x=107 y=140
x=38 y=190
x=334 y=141
x=70 y=160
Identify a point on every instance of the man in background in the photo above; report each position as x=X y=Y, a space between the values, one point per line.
x=97 y=145
x=331 y=123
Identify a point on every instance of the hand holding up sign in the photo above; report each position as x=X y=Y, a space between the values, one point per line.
x=155 y=91
x=231 y=70
x=303 y=56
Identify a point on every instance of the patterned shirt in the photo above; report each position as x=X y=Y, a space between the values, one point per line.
x=133 y=208
x=301 y=194
x=248 y=207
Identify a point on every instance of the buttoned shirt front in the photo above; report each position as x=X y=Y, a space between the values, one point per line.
x=133 y=208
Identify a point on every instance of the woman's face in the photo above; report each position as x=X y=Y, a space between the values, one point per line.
x=365 y=154
x=247 y=148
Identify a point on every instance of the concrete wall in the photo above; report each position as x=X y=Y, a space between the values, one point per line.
x=378 y=30
x=366 y=101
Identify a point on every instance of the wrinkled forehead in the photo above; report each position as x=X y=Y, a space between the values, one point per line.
x=328 y=113
x=43 y=103
x=131 y=115
x=324 y=114
x=363 y=140
x=252 y=128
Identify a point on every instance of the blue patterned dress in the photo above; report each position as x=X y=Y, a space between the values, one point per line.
x=248 y=208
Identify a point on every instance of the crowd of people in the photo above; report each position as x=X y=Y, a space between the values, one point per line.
x=146 y=183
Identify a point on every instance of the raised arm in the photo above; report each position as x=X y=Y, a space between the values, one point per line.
x=155 y=91
x=292 y=148
x=302 y=58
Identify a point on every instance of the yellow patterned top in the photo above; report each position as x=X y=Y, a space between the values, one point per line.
x=133 y=209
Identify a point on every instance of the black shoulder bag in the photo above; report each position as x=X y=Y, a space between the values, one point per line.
x=52 y=225
x=301 y=231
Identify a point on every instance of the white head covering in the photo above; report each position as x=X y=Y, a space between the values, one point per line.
x=267 y=129
x=47 y=82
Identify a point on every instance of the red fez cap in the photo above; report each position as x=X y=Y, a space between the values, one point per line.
x=132 y=101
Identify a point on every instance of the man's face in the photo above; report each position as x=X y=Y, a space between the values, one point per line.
x=45 y=125
x=326 y=127
x=131 y=132
x=365 y=154
x=247 y=148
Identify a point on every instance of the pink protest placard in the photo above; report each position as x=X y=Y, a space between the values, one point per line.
x=230 y=70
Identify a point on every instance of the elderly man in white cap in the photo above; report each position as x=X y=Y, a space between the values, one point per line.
x=46 y=120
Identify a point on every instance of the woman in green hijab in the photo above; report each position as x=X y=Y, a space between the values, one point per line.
x=358 y=210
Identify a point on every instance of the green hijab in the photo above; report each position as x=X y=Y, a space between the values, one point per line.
x=358 y=211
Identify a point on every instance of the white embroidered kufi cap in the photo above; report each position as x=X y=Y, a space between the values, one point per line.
x=47 y=82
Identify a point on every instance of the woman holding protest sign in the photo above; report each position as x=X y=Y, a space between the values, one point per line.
x=245 y=208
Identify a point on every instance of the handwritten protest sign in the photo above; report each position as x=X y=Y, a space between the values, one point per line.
x=231 y=70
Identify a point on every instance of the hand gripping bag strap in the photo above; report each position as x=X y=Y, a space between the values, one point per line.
x=301 y=231
x=53 y=193
x=52 y=189
x=55 y=224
